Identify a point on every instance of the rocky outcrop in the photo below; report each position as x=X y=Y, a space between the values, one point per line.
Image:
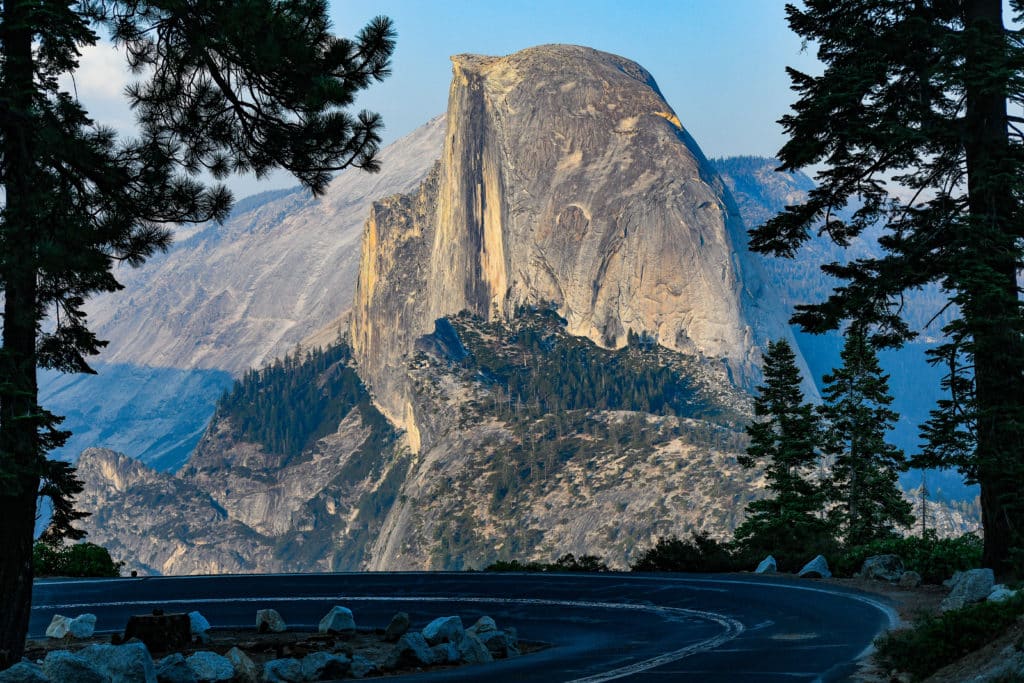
x=280 y=271
x=565 y=177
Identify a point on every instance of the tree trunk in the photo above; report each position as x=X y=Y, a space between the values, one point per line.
x=991 y=310
x=20 y=456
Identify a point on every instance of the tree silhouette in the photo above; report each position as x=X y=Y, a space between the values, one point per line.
x=224 y=87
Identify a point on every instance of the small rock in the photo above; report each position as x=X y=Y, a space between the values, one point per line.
x=473 y=651
x=198 y=624
x=270 y=620
x=499 y=644
x=766 y=566
x=59 y=626
x=246 y=670
x=397 y=627
x=483 y=625
x=412 y=648
x=444 y=630
x=24 y=672
x=325 y=666
x=910 y=579
x=882 y=567
x=174 y=669
x=815 y=569
x=61 y=665
x=362 y=667
x=210 y=666
x=445 y=653
x=973 y=585
x=1000 y=593
x=283 y=671
x=82 y=626
x=338 y=620
x=127 y=663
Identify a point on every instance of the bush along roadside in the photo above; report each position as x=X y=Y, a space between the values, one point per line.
x=934 y=558
x=78 y=560
x=566 y=563
x=937 y=641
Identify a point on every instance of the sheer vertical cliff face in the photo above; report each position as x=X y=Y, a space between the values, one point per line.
x=565 y=177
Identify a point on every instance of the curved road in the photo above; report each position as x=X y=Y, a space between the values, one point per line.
x=602 y=627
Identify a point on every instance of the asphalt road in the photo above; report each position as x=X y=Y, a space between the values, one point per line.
x=602 y=627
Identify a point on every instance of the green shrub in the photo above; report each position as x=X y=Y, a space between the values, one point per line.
x=935 y=642
x=45 y=559
x=566 y=563
x=80 y=560
x=699 y=554
x=934 y=558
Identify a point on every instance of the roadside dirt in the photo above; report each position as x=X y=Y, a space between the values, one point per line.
x=986 y=664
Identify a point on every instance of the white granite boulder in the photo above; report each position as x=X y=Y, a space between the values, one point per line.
x=910 y=579
x=128 y=663
x=412 y=648
x=473 y=651
x=445 y=653
x=199 y=626
x=397 y=627
x=1000 y=593
x=484 y=624
x=325 y=666
x=61 y=665
x=24 y=672
x=59 y=626
x=82 y=626
x=246 y=670
x=283 y=671
x=210 y=666
x=444 y=630
x=970 y=586
x=815 y=569
x=270 y=620
x=174 y=669
x=882 y=568
x=338 y=620
x=767 y=566
x=362 y=667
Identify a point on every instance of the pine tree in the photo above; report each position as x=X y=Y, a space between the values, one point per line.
x=917 y=93
x=787 y=524
x=862 y=487
x=225 y=87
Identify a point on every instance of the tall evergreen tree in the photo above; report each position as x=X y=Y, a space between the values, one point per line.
x=789 y=523
x=862 y=487
x=226 y=87
x=917 y=92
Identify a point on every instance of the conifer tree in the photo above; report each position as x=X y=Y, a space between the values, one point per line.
x=862 y=488
x=783 y=437
x=917 y=93
x=224 y=87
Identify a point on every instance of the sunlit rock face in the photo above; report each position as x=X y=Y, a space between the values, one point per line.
x=565 y=177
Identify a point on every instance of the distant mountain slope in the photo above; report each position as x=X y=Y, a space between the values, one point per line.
x=235 y=296
x=224 y=299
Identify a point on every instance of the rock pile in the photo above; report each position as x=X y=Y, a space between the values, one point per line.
x=443 y=641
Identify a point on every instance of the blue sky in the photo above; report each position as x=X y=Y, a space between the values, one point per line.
x=720 y=63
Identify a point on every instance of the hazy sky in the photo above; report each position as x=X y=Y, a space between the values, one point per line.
x=720 y=63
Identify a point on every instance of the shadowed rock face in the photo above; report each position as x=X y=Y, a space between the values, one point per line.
x=565 y=177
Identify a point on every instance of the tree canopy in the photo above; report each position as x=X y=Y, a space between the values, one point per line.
x=223 y=87
x=914 y=97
